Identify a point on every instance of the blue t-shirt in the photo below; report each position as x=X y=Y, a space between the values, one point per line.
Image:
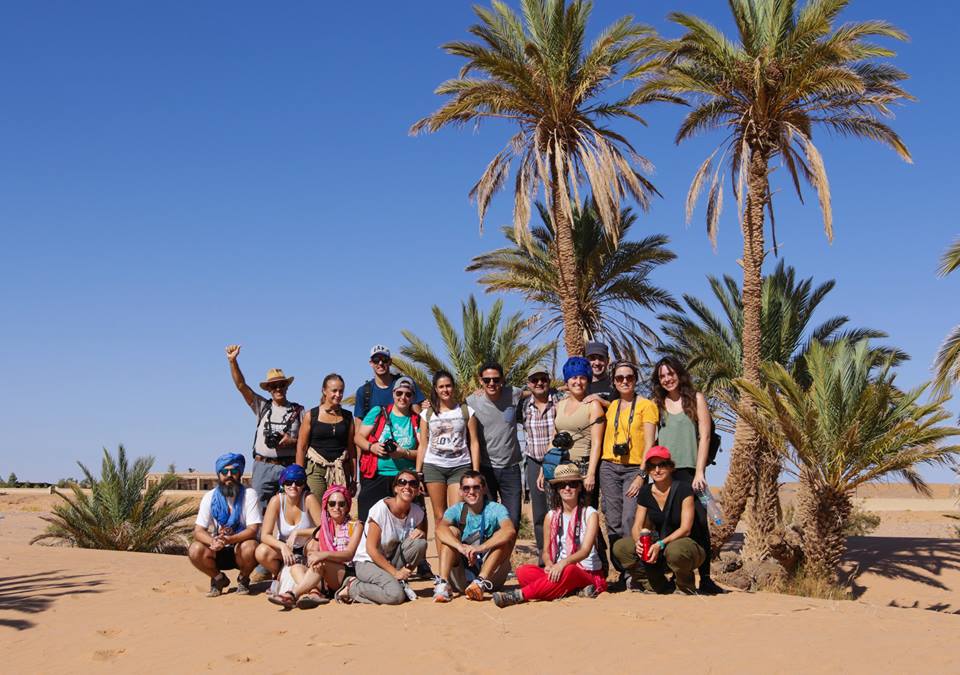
x=490 y=518
x=401 y=430
x=379 y=397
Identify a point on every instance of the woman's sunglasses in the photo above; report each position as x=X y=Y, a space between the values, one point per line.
x=653 y=466
x=411 y=482
x=403 y=394
x=230 y=471
x=298 y=483
x=337 y=505
x=568 y=484
x=620 y=379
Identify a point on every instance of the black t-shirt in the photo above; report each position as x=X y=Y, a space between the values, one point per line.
x=605 y=388
x=329 y=439
x=681 y=490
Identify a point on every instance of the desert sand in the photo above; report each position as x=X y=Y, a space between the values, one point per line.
x=70 y=610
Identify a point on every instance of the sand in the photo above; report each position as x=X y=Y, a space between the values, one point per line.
x=70 y=610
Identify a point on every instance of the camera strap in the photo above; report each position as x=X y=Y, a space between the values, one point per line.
x=616 y=421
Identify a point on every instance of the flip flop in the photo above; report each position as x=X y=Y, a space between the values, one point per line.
x=342 y=595
x=311 y=600
x=286 y=600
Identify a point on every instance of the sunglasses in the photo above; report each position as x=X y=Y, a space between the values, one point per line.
x=619 y=379
x=277 y=387
x=568 y=484
x=540 y=380
x=228 y=471
x=658 y=465
x=411 y=482
x=337 y=505
x=471 y=488
x=490 y=380
x=298 y=483
x=380 y=360
x=403 y=394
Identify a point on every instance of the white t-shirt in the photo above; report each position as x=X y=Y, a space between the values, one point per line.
x=592 y=561
x=448 y=444
x=251 y=511
x=393 y=530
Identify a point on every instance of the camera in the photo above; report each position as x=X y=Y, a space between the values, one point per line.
x=621 y=449
x=389 y=446
x=563 y=440
x=272 y=439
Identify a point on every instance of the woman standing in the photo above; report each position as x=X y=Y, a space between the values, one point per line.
x=449 y=444
x=394 y=541
x=580 y=420
x=325 y=444
x=630 y=431
x=572 y=562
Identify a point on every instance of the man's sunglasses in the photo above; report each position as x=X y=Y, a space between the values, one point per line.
x=411 y=482
x=337 y=505
x=230 y=471
x=403 y=394
x=298 y=483
x=490 y=380
x=277 y=387
x=380 y=360
x=471 y=488
x=620 y=379
x=540 y=379
x=568 y=484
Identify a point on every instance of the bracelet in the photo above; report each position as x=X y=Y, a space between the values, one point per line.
x=661 y=544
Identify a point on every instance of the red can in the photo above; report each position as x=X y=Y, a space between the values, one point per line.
x=646 y=541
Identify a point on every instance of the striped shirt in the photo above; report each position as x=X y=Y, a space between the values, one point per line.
x=538 y=427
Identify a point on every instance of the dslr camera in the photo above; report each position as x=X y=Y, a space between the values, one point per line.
x=389 y=446
x=621 y=449
x=271 y=438
x=563 y=440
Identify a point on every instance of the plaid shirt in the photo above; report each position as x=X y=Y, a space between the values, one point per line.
x=538 y=428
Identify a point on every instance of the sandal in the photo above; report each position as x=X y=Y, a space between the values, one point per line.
x=342 y=595
x=311 y=600
x=286 y=600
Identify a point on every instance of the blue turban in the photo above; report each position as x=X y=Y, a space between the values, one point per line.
x=292 y=472
x=219 y=508
x=577 y=365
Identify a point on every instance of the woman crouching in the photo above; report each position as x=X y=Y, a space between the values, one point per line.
x=665 y=532
x=394 y=541
x=572 y=564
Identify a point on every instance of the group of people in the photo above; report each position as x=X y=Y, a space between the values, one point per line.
x=591 y=443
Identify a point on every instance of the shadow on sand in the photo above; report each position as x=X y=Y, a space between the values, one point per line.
x=34 y=593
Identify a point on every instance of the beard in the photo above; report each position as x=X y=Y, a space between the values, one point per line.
x=228 y=490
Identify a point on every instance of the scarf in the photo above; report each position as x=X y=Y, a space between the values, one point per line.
x=333 y=470
x=329 y=534
x=573 y=533
x=219 y=508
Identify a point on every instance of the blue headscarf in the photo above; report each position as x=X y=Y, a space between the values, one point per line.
x=219 y=508
x=292 y=472
x=577 y=365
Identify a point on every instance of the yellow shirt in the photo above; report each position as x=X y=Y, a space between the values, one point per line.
x=645 y=412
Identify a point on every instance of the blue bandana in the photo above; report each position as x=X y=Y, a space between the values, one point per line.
x=577 y=365
x=219 y=508
x=292 y=472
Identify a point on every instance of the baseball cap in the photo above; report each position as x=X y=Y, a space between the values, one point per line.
x=379 y=349
x=596 y=348
x=538 y=369
x=403 y=381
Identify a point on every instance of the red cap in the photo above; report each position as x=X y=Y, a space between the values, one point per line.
x=658 y=452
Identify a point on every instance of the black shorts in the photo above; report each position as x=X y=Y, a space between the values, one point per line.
x=226 y=559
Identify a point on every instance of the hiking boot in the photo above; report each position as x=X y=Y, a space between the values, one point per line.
x=217 y=584
x=261 y=573
x=709 y=587
x=589 y=591
x=243 y=585
x=441 y=592
x=506 y=598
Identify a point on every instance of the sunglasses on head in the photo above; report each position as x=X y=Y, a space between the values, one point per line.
x=490 y=380
x=539 y=379
x=380 y=360
x=471 y=488
x=400 y=393
x=624 y=378
x=298 y=483
x=337 y=505
x=568 y=484
x=230 y=471
x=411 y=482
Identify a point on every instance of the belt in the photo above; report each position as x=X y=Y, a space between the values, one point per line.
x=282 y=461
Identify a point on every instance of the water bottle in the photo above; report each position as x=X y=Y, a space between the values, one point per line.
x=409 y=592
x=710 y=504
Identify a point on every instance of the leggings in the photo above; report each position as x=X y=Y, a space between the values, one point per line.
x=536 y=585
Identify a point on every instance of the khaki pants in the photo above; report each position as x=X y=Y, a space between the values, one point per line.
x=682 y=557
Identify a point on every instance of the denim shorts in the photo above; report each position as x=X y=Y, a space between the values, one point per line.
x=441 y=474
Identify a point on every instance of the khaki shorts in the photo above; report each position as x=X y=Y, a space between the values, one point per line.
x=461 y=576
x=441 y=474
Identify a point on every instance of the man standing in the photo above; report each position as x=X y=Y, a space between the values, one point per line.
x=278 y=424
x=539 y=413
x=378 y=391
x=601 y=388
x=474 y=539
x=225 y=534
x=496 y=415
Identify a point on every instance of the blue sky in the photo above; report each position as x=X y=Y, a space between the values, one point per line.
x=179 y=176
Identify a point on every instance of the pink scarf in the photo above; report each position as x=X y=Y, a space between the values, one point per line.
x=330 y=534
x=555 y=520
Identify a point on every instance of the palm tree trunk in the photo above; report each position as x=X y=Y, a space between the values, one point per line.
x=764 y=515
x=741 y=480
x=567 y=265
x=822 y=514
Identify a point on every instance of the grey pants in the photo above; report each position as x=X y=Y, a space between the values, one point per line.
x=376 y=586
x=538 y=500
x=618 y=509
x=265 y=481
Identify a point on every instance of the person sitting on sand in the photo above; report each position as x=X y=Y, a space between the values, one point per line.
x=572 y=564
x=329 y=552
x=474 y=539
x=394 y=542
x=665 y=509
x=287 y=526
x=225 y=534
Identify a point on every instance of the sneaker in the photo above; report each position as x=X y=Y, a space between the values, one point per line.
x=217 y=584
x=409 y=592
x=441 y=592
x=506 y=598
x=424 y=572
x=475 y=589
x=589 y=591
x=243 y=585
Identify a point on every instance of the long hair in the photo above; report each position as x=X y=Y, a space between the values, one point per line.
x=434 y=398
x=688 y=393
x=557 y=504
x=328 y=378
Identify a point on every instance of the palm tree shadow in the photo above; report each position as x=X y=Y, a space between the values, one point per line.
x=34 y=593
x=917 y=559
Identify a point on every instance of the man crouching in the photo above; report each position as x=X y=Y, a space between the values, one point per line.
x=225 y=536
x=475 y=539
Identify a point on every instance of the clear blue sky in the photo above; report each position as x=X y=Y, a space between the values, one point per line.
x=179 y=176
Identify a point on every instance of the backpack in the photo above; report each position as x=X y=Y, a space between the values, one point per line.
x=368 y=460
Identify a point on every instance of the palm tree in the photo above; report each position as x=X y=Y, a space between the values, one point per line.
x=711 y=345
x=119 y=514
x=537 y=72
x=849 y=427
x=484 y=338
x=612 y=276
x=948 y=358
x=790 y=70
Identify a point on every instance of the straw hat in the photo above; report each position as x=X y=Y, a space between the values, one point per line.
x=275 y=376
x=566 y=472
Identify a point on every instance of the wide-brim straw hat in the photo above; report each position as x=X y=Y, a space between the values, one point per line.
x=566 y=472
x=275 y=376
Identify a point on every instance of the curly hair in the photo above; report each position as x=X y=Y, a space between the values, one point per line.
x=688 y=393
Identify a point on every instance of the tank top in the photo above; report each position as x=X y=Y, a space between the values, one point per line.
x=573 y=424
x=329 y=438
x=678 y=434
x=305 y=522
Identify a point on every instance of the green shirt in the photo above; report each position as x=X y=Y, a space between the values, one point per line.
x=678 y=434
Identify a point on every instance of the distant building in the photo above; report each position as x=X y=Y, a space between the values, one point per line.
x=191 y=481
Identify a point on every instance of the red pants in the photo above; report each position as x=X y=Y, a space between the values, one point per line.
x=536 y=585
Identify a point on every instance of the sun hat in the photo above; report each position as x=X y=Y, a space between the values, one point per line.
x=596 y=348
x=379 y=349
x=566 y=472
x=403 y=381
x=538 y=369
x=658 y=452
x=577 y=365
x=275 y=376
